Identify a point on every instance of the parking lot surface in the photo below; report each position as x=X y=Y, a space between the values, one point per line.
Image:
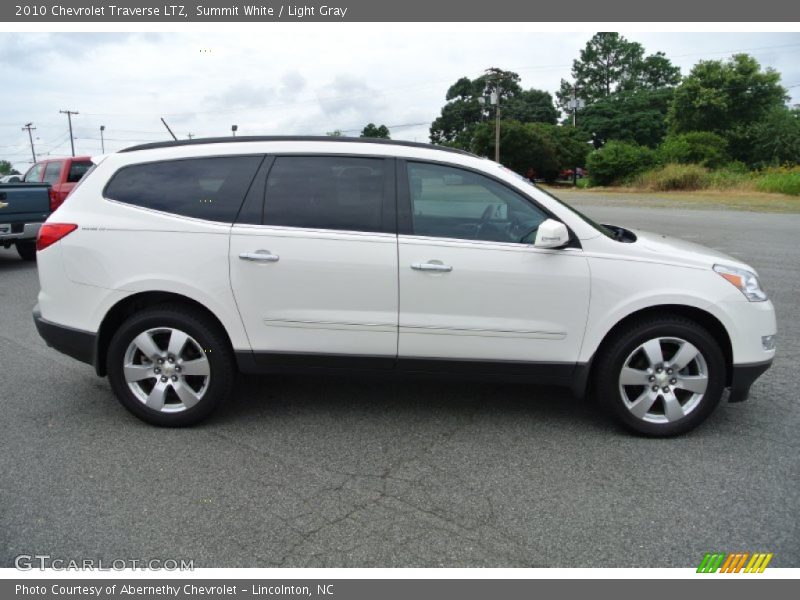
x=345 y=472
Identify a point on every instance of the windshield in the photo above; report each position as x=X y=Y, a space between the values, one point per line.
x=601 y=228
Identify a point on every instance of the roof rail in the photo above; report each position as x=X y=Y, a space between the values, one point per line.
x=290 y=138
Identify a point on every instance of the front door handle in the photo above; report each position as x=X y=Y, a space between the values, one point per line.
x=260 y=256
x=432 y=266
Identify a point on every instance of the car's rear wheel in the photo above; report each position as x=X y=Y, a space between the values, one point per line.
x=169 y=366
x=26 y=250
x=662 y=377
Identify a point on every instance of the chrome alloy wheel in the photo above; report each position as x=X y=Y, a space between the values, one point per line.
x=166 y=369
x=663 y=380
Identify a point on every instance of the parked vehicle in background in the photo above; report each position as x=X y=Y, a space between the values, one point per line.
x=23 y=208
x=61 y=173
x=176 y=264
x=11 y=179
x=25 y=204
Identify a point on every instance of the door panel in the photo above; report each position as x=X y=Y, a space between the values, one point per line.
x=499 y=301
x=472 y=286
x=319 y=276
x=328 y=292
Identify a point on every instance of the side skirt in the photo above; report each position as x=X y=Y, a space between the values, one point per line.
x=572 y=375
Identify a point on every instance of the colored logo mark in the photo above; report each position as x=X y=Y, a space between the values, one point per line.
x=735 y=562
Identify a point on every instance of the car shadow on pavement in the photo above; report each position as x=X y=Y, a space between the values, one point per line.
x=292 y=397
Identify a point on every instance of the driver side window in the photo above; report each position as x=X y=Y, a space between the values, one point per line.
x=448 y=202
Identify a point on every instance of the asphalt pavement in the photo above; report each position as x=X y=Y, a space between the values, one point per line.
x=352 y=472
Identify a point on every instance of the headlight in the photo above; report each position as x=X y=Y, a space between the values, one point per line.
x=745 y=281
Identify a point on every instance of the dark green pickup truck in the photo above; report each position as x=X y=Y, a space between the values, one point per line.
x=23 y=209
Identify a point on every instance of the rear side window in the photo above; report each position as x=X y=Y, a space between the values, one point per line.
x=326 y=192
x=34 y=174
x=52 y=172
x=78 y=170
x=201 y=188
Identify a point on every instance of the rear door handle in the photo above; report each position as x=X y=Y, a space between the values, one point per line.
x=432 y=266
x=260 y=256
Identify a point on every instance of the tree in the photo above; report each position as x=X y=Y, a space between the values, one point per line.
x=656 y=72
x=335 y=133
x=773 y=141
x=618 y=161
x=610 y=63
x=721 y=96
x=531 y=106
x=373 y=131
x=695 y=147
x=543 y=147
x=523 y=147
x=466 y=107
x=633 y=116
x=6 y=168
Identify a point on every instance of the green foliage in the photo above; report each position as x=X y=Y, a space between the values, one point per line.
x=522 y=147
x=571 y=144
x=335 y=133
x=696 y=147
x=373 y=131
x=610 y=63
x=721 y=96
x=638 y=117
x=6 y=168
x=530 y=106
x=617 y=162
x=545 y=148
x=464 y=112
x=780 y=180
x=673 y=177
x=771 y=142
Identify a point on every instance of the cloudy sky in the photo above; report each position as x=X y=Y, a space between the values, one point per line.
x=289 y=80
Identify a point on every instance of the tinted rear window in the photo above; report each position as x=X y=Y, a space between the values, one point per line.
x=202 y=188
x=78 y=170
x=326 y=192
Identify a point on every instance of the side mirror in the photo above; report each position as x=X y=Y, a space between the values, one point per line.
x=551 y=234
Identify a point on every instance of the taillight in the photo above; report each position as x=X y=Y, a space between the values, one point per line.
x=50 y=233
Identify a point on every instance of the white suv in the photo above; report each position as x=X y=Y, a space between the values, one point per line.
x=173 y=265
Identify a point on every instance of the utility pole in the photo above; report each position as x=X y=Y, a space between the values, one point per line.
x=575 y=104
x=69 y=114
x=29 y=127
x=190 y=135
x=174 y=137
x=102 y=141
x=495 y=72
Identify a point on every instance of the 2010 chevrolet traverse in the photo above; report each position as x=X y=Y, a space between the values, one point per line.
x=175 y=265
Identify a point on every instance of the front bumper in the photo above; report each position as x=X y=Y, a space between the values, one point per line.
x=743 y=377
x=81 y=345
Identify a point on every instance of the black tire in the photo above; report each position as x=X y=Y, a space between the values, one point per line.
x=26 y=250
x=207 y=335
x=614 y=356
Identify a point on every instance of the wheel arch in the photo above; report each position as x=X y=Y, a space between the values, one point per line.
x=134 y=303
x=698 y=315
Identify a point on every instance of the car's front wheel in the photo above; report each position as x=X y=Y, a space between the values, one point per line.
x=169 y=366
x=661 y=376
